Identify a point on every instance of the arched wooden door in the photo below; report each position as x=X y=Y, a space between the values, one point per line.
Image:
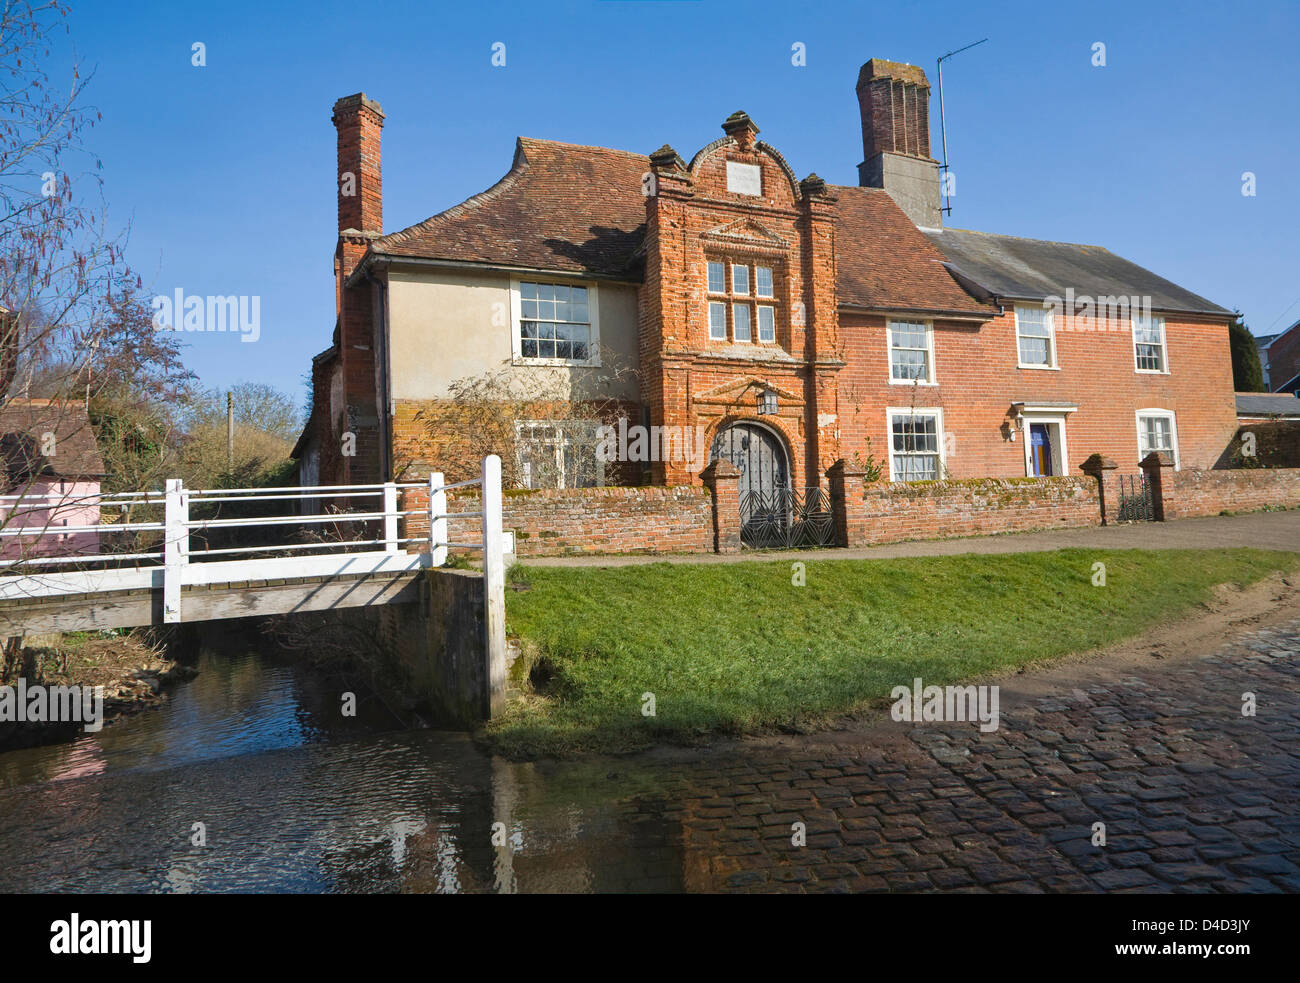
x=759 y=456
x=767 y=501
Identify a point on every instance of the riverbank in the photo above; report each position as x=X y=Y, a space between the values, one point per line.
x=623 y=659
x=133 y=670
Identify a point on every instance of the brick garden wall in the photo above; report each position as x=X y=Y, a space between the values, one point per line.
x=680 y=519
x=558 y=522
x=892 y=511
x=1193 y=493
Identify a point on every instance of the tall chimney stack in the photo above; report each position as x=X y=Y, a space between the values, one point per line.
x=359 y=121
x=895 y=102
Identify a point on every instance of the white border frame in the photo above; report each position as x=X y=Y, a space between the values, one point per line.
x=929 y=352
x=1061 y=453
x=1169 y=415
x=1054 y=365
x=593 y=312
x=935 y=411
x=1164 y=345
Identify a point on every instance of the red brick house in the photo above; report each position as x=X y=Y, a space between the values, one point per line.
x=1281 y=359
x=796 y=321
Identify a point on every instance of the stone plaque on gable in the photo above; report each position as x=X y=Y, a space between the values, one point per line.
x=744 y=179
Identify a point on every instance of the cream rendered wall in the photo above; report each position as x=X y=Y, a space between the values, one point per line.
x=441 y=328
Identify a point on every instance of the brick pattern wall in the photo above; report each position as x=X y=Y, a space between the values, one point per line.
x=890 y=512
x=559 y=522
x=977 y=379
x=455 y=438
x=1195 y=493
x=688 y=379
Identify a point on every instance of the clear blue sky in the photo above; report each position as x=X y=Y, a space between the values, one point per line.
x=226 y=173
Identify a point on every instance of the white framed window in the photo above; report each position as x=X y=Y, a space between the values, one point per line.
x=1157 y=430
x=558 y=454
x=717 y=321
x=717 y=278
x=740 y=321
x=555 y=323
x=1149 y=353
x=915 y=444
x=911 y=352
x=1035 y=338
x=740 y=280
x=731 y=290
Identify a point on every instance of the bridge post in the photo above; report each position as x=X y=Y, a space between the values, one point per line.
x=437 y=519
x=494 y=584
x=176 y=548
x=390 y=517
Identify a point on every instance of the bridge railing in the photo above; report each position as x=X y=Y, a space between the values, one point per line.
x=149 y=539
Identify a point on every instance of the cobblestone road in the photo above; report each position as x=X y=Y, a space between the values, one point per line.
x=1194 y=795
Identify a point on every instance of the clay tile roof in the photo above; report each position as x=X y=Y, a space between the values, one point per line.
x=886 y=262
x=561 y=207
x=23 y=424
x=578 y=209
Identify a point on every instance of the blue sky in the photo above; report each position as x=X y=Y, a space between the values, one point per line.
x=226 y=173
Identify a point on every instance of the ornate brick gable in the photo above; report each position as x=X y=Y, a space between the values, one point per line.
x=738 y=204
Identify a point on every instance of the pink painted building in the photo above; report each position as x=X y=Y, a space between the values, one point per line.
x=50 y=471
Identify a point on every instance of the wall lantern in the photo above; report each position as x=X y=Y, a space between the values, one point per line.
x=1017 y=422
x=767 y=402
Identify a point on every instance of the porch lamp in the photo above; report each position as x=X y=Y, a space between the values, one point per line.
x=1017 y=422
x=767 y=402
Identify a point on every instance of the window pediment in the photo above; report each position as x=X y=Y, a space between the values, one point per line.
x=730 y=393
x=747 y=232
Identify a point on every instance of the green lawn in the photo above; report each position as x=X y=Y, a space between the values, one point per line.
x=736 y=648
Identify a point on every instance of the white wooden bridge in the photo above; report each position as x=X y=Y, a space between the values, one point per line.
x=172 y=556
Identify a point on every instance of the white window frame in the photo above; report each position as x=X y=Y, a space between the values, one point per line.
x=1052 y=363
x=1060 y=453
x=937 y=413
x=521 y=425
x=735 y=335
x=771 y=271
x=758 y=324
x=749 y=286
x=931 y=379
x=708 y=288
x=1169 y=415
x=722 y=304
x=516 y=328
x=1164 y=346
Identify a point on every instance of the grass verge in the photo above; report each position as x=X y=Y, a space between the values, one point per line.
x=736 y=648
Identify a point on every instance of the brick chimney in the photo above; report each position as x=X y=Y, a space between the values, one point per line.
x=895 y=102
x=359 y=121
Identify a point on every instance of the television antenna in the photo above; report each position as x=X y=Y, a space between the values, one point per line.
x=946 y=207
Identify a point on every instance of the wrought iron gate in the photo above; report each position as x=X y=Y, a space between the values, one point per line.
x=1135 y=503
x=785 y=518
x=773 y=514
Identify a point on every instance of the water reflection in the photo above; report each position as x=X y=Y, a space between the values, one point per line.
x=296 y=798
